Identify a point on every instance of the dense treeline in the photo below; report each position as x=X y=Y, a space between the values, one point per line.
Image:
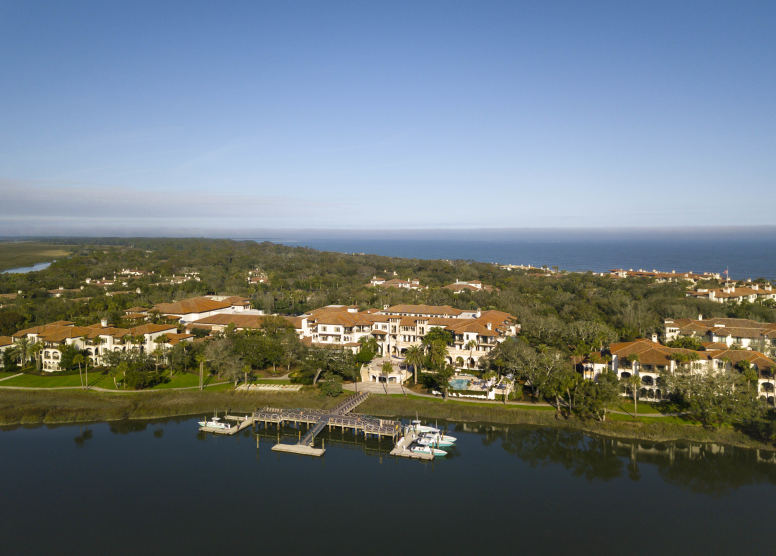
x=549 y=308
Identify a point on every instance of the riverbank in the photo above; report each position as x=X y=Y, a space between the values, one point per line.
x=20 y=407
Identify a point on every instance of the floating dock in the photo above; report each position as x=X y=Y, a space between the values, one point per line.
x=402 y=448
x=243 y=423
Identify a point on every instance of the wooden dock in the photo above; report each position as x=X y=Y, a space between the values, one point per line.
x=402 y=448
x=317 y=420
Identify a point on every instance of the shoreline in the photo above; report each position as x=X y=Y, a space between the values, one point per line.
x=20 y=408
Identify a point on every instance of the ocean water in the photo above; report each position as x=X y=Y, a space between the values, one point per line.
x=744 y=257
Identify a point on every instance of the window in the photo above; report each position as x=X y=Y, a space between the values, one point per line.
x=336 y=329
x=323 y=329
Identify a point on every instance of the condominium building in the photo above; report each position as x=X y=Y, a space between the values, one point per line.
x=752 y=293
x=661 y=277
x=724 y=333
x=97 y=340
x=475 y=333
x=649 y=359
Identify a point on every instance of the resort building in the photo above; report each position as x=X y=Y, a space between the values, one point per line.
x=190 y=310
x=475 y=332
x=648 y=359
x=724 y=333
x=474 y=285
x=408 y=284
x=662 y=277
x=98 y=339
x=752 y=293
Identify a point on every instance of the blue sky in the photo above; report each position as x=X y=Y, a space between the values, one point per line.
x=197 y=117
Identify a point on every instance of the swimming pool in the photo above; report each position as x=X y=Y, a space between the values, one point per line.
x=459 y=383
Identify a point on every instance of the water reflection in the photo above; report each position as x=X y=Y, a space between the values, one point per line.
x=711 y=469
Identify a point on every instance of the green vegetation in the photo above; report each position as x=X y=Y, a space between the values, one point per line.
x=28 y=253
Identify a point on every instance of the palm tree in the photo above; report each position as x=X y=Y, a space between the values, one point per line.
x=22 y=347
x=78 y=358
x=414 y=356
x=35 y=349
x=470 y=345
x=634 y=381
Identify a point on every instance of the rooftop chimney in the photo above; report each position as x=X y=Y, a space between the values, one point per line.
x=104 y=323
x=700 y=317
x=654 y=338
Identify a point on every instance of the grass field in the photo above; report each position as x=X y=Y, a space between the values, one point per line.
x=27 y=253
x=97 y=378
x=57 y=381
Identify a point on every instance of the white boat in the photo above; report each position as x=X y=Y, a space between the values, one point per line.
x=424 y=430
x=417 y=427
x=215 y=423
x=437 y=439
x=427 y=450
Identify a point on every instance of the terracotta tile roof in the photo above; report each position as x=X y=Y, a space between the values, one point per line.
x=241 y=321
x=5 y=341
x=438 y=310
x=194 y=305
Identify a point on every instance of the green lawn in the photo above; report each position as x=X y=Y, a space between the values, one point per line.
x=4 y=375
x=479 y=404
x=57 y=380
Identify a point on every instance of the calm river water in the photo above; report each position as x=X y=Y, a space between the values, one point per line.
x=160 y=488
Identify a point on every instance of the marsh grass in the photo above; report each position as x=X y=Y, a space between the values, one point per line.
x=27 y=253
x=73 y=406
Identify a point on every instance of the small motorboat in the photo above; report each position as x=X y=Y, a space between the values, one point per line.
x=416 y=448
x=436 y=440
x=215 y=423
x=417 y=427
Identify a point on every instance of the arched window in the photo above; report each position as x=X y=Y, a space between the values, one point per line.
x=646 y=380
x=625 y=375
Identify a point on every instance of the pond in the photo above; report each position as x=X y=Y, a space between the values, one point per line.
x=160 y=487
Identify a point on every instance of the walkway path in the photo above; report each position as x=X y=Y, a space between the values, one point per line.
x=10 y=377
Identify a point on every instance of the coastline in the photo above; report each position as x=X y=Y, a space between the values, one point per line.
x=19 y=408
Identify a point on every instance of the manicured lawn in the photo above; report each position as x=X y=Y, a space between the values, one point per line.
x=57 y=380
x=4 y=375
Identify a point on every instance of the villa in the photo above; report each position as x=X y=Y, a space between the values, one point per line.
x=474 y=285
x=409 y=283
